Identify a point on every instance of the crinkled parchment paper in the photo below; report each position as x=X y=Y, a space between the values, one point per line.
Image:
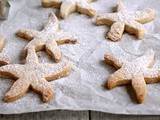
x=83 y=88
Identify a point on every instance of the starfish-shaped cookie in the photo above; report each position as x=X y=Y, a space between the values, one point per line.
x=33 y=75
x=124 y=20
x=69 y=6
x=137 y=73
x=49 y=39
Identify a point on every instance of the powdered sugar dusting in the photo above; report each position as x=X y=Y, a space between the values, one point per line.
x=133 y=21
x=137 y=66
x=137 y=72
x=89 y=73
x=69 y=6
x=46 y=39
x=35 y=75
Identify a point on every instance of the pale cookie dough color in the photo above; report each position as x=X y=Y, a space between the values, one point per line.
x=69 y=6
x=49 y=39
x=4 y=59
x=33 y=75
x=2 y=41
x=137 y=73
x=124 y=20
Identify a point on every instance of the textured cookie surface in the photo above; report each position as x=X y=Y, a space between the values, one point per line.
x=49 y=39
x=137 y=73
x=69 y=6
x=124 y=20
x=33 y=75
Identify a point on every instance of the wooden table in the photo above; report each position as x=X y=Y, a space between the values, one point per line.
x=74 y=115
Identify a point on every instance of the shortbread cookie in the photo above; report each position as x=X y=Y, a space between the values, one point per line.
x=69 y=6
x=33 y=75
x=124 y=20
x=49 y=39
x=137 y=73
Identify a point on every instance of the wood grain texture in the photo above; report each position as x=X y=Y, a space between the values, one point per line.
x=50 y=115
x=75 y=115
x=106 y=116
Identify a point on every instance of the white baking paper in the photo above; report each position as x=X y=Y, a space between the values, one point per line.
x=83 y=88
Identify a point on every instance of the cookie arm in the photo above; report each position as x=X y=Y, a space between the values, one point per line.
x=106 y=19
x=52 y=24
x=44 y=88
x=2 y=41
x=54 y=50
x=151 y=75
x=18 y=89
x=116 y=31
x=139 y=86
x=144 y=16
x=120 y=77
x=133 y=27
x=4 y=59
x=10 y=71
x=65 y=37
x=31 y=48
x=67 y=7
x=85 y=8
x=120 y=6
x=50 y=3
x=90 y=1
x=57 y=71
x=27 y=34
x=111 y=60
x=31 y=56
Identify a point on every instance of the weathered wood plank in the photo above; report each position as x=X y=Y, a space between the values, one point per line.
x=105 y=116
x=75 y=115
x=50 y=115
